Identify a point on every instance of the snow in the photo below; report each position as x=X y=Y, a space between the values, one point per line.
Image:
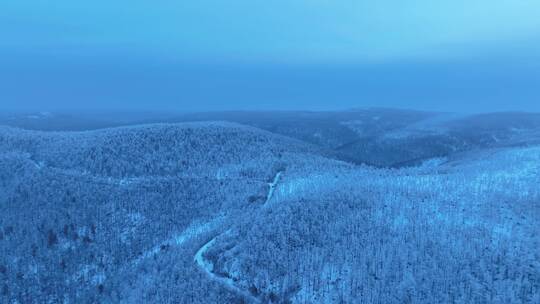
x=179 y=239
x=272 y=185
x=208 y=268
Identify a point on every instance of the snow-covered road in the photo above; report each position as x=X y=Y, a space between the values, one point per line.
x=272 y=185
x=226 y=282
x=208 y=267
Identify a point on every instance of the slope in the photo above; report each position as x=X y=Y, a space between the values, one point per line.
x=465 y=231
x=117 y=215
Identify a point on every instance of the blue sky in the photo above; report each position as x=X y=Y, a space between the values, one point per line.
x=320 y=54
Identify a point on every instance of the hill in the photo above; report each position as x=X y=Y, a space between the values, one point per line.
x=464 y=232
x=219 y=212
x=377 y=136
x=83 y=213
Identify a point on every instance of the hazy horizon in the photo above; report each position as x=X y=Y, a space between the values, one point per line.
x=171 y=113
x=452 y=56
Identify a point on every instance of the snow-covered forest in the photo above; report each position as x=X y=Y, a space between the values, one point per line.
x=363 y=206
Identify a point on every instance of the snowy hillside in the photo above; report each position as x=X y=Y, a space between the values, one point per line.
x=221 y=212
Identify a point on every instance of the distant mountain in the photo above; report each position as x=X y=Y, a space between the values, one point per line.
x=377 y=137
x=153 y=150
x=391 y=138
x=51 y=121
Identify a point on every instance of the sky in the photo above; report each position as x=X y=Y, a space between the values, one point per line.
x=164 y=55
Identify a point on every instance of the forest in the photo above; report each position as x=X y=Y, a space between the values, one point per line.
x=360 y=206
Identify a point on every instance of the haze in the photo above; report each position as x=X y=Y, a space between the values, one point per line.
x=460 y=55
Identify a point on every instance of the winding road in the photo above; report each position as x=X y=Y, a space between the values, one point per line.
x=208 y=267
